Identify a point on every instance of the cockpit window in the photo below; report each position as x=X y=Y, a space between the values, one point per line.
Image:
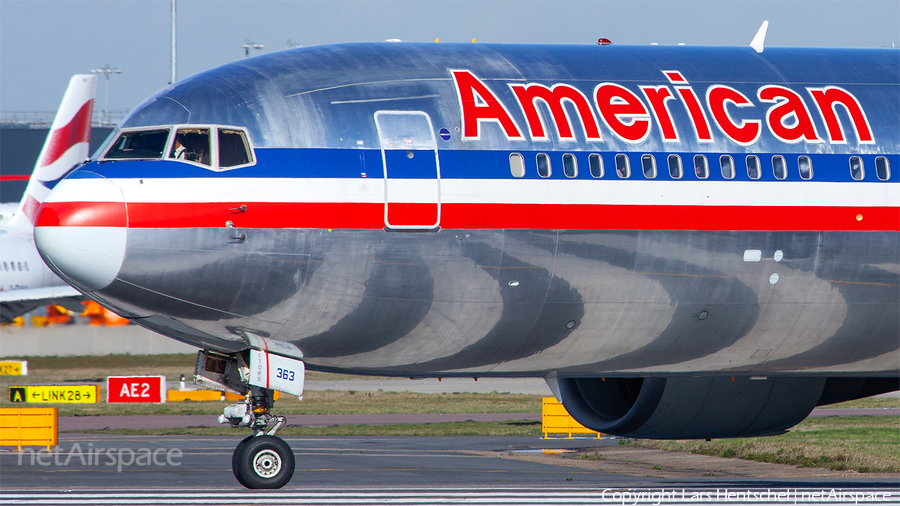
x=191 y=144
x=143 y=144
x=98 y=153
x=233 y=148
x=212 y=146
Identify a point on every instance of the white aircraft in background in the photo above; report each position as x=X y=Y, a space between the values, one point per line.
x=25 y=281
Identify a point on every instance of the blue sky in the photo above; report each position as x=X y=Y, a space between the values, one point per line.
x=44 y=42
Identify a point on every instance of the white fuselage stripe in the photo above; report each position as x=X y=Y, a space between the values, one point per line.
x=491 y=191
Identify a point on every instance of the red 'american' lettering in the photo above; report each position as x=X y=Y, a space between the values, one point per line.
x=479 y=105
x=718 y=97
x=827 y=99
x=627 y=116
x=789 y=119
x=623 y=112
x=555 y=97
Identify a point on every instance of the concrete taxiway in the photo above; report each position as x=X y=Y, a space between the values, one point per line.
x=80 y=423
x=113 y=462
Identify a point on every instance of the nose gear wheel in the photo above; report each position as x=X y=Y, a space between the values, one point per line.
x=266 y=464
x=263 y=462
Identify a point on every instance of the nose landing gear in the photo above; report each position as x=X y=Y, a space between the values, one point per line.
x=261 y=460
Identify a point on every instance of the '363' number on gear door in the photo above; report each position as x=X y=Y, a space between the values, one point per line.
x=284 y=374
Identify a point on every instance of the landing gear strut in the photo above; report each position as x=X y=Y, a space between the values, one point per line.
x=261 y=460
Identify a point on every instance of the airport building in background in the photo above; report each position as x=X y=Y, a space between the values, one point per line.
x=22 y=134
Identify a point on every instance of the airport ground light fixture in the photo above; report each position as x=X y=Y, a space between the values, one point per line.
x=250 y=45
x=106 y=70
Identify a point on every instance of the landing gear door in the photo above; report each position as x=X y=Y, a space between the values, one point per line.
x=412 y=173
x=276 y=372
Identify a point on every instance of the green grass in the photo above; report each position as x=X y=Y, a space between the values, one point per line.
x=868 y=402
x=863 y=444
x=88 y=370
x=108 y=362
x=325 y=402
x=508 y=428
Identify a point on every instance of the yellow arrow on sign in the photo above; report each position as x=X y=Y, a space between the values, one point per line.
x=61 y=393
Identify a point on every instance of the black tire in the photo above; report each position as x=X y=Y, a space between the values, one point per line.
x=263 y=462
x=236 y=457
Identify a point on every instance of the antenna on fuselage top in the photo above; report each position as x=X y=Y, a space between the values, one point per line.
x=759 y=40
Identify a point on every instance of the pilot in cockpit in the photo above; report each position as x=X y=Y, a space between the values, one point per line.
x=178 y=151
x=191 y=147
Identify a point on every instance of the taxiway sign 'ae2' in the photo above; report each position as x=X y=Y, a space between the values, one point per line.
x=686 y=242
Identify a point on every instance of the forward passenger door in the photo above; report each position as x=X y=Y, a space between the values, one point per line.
x=412 y=190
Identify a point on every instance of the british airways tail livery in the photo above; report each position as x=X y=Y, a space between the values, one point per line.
x=686 y=242
x=25 y=282
x=67 y=145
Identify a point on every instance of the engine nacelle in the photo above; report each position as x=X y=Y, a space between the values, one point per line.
x=690 y=408
x=848 y=389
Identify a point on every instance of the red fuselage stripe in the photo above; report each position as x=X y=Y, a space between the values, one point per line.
x=470 y=216
x=82 y=214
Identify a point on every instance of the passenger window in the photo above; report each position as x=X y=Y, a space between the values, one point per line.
x=596 y=163
x=4 y=267
x=726 y=163
x=623 y=167
x=857 y=171
x=805 y=165
x=26 y=267
x=701 y=167
x=882 y=168
x=517 y=165
x=191 y=144
x=675 y=171
x=144 y=145
x=648 y=164
x=543 y=164
x=778 y=168
x=570 y=165
x=753 y=167
x=233 y=148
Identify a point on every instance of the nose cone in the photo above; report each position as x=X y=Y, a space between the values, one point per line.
x=81 y=230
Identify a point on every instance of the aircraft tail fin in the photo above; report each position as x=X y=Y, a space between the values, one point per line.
x=67 y=144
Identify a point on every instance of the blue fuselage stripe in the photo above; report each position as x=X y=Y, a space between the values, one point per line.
x=480 y=164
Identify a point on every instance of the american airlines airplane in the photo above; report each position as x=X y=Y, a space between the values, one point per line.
x=25 y=281
x=686 y=242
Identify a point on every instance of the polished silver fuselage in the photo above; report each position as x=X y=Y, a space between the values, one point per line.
x=526 y=295
x=481 y=302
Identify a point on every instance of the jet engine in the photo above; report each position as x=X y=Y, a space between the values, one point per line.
x=706 y=407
